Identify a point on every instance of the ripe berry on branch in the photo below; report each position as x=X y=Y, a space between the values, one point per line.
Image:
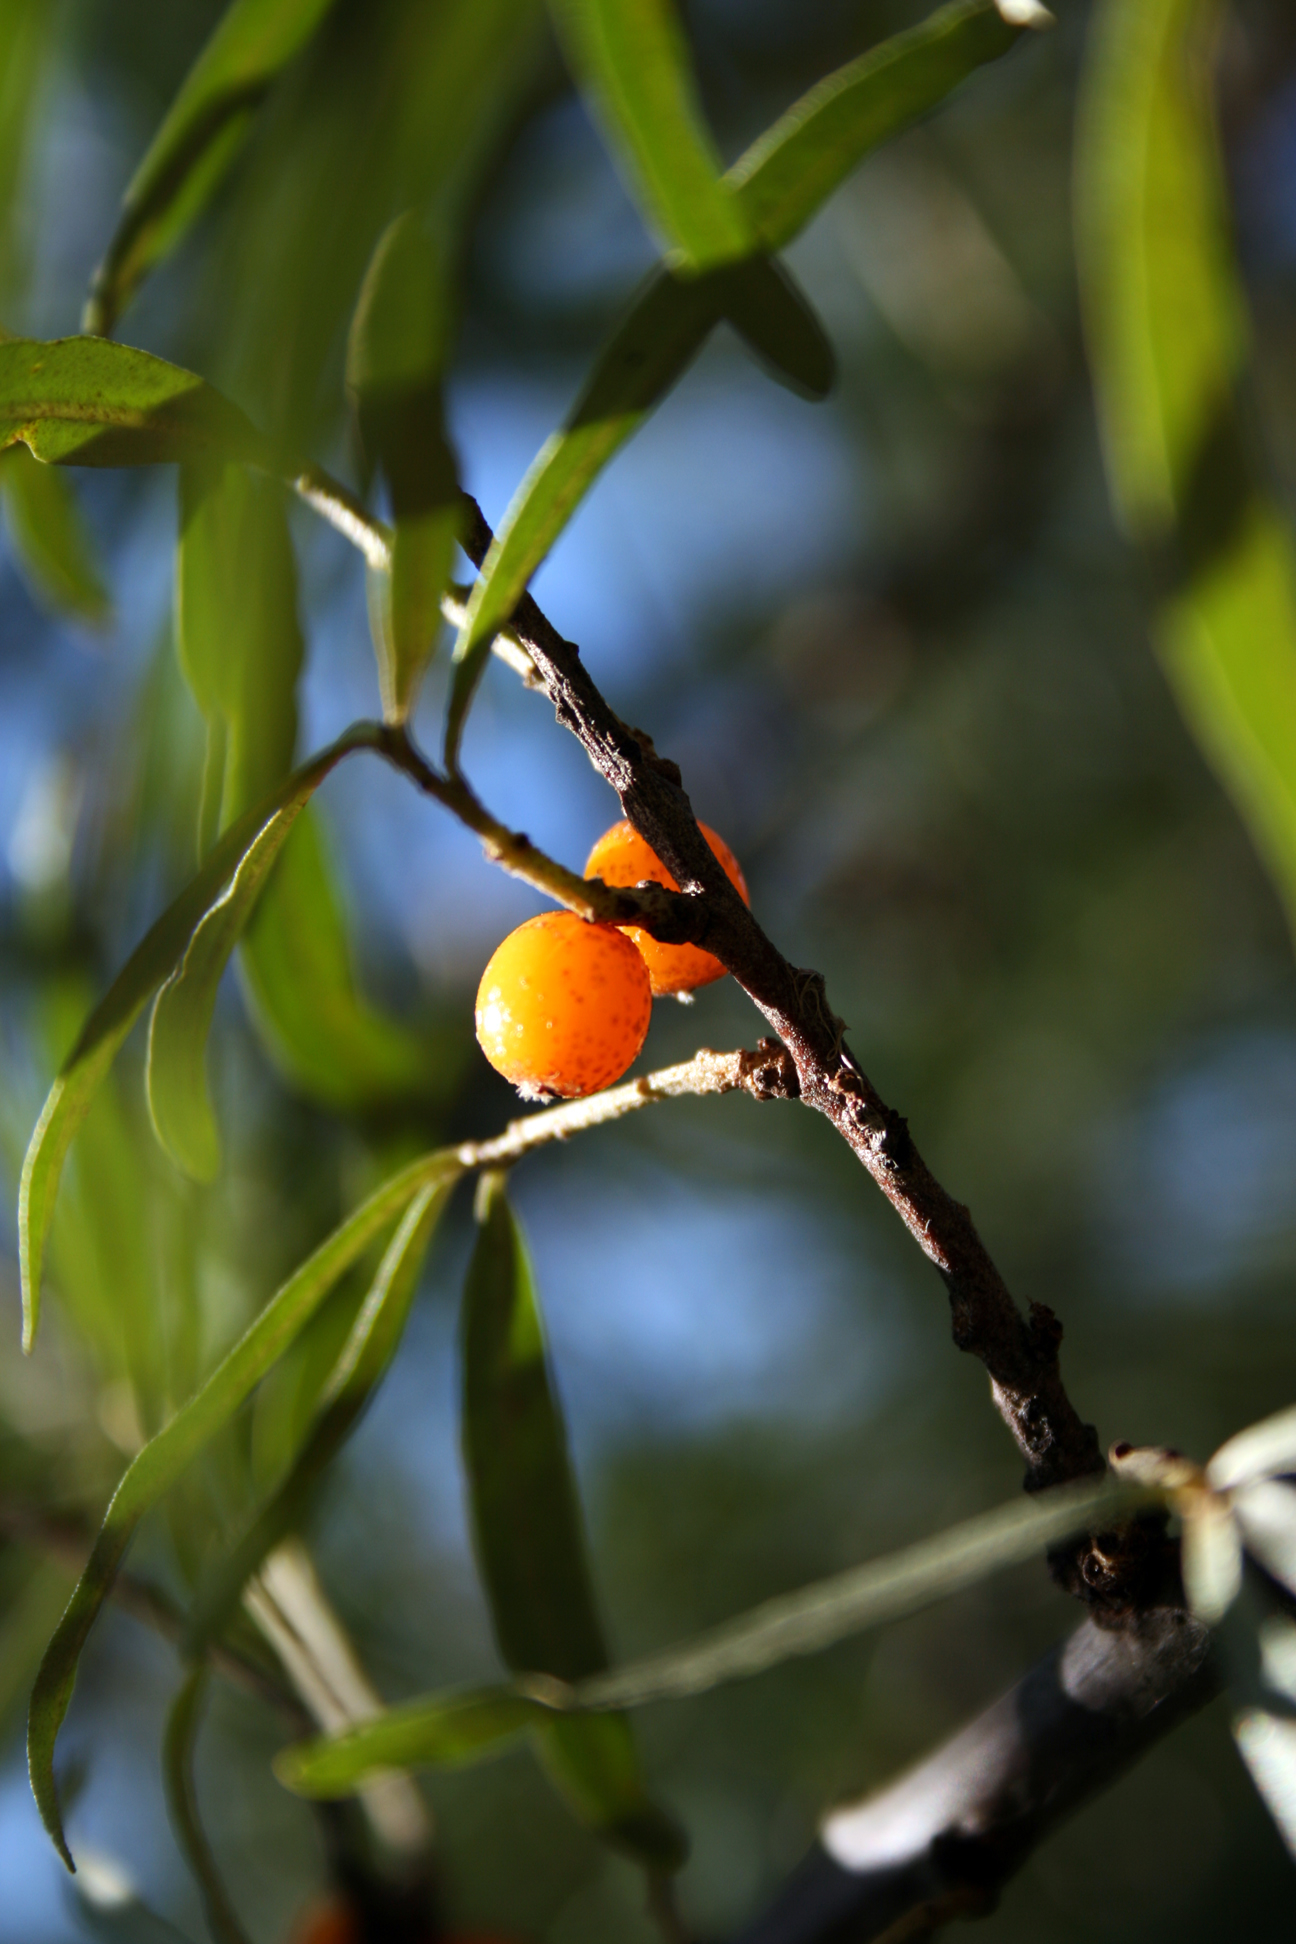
x=622 y=857
x=563 y=1006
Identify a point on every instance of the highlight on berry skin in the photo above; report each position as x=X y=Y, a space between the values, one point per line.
x=622 y=857
x=563 y=1007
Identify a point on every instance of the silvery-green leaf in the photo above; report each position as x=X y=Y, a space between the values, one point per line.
x=1261 y=1451
x=1266 y=1738
x=1266 y=1515
x=1212 y=1558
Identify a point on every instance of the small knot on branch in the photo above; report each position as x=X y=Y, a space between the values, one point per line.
x=769 y=1072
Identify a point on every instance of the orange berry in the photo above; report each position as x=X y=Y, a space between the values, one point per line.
x=330 y=1921
x=563 y=1007
x=622 y=857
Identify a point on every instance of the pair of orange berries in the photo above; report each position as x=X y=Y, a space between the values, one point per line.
x=563 y=1006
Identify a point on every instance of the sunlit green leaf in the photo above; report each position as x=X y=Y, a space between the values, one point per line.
x=162 y=1460
x=151 y=962
x=29 y=35
x=200 y=137
x=1167 y=329
x=177 y=1080
x=240 y=645
x=50 y=540
x=182 y=1802
x=633 y=64
x=529 y=1533
x=84 y=402
x=659 y=338
x=780 y=181
x=439 y=1732
x=296 y=967
x=363 y=1363
x=396 y=107
x=237 y=632
x=31 y=1611
x=792 y=169
x=396 y=353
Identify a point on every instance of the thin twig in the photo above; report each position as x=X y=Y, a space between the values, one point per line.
x=765 y=1074
x=1020 y=1353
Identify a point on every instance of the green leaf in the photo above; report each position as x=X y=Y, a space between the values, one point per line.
x=657 y=341
x=50 y=540
x=162 y=1460
x=238 y=637
x=29 y=34
x=198 y=140
x=633 y=64
x=443 y=1731
x=178 y=1744
x=773 y=316
x=529 y=1533
x=296 y=968
x=397 y=348
x=592 y=1761
x=149 y=964
x=797 y=1623
x=526 y=1517
x=1167 y=328
x=363 y=1363
x=182 y=1012
x=240 y=646
x=791 y=170
x=833 y=1609
x=781 y=181
x=84 y=402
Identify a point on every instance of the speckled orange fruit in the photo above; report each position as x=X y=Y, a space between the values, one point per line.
x=563 y=1007
x=622 y=857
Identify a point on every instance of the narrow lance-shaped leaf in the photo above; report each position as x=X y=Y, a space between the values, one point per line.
x=50 y=541
x=182 y=1012
x=240 y=646
x=85 y=402
x=363 y=1363
x=238 y=637
x=529 y=1533
x=634 y=66
x=149 y=964
x=395 y=356
x=781 y=181
x=202 y=133
x=1166 y=322
x=440 y=1732
x=162 y=1460
x=296 y=967
x=804 y=1622
x=178 y=1744
x=790 y=171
